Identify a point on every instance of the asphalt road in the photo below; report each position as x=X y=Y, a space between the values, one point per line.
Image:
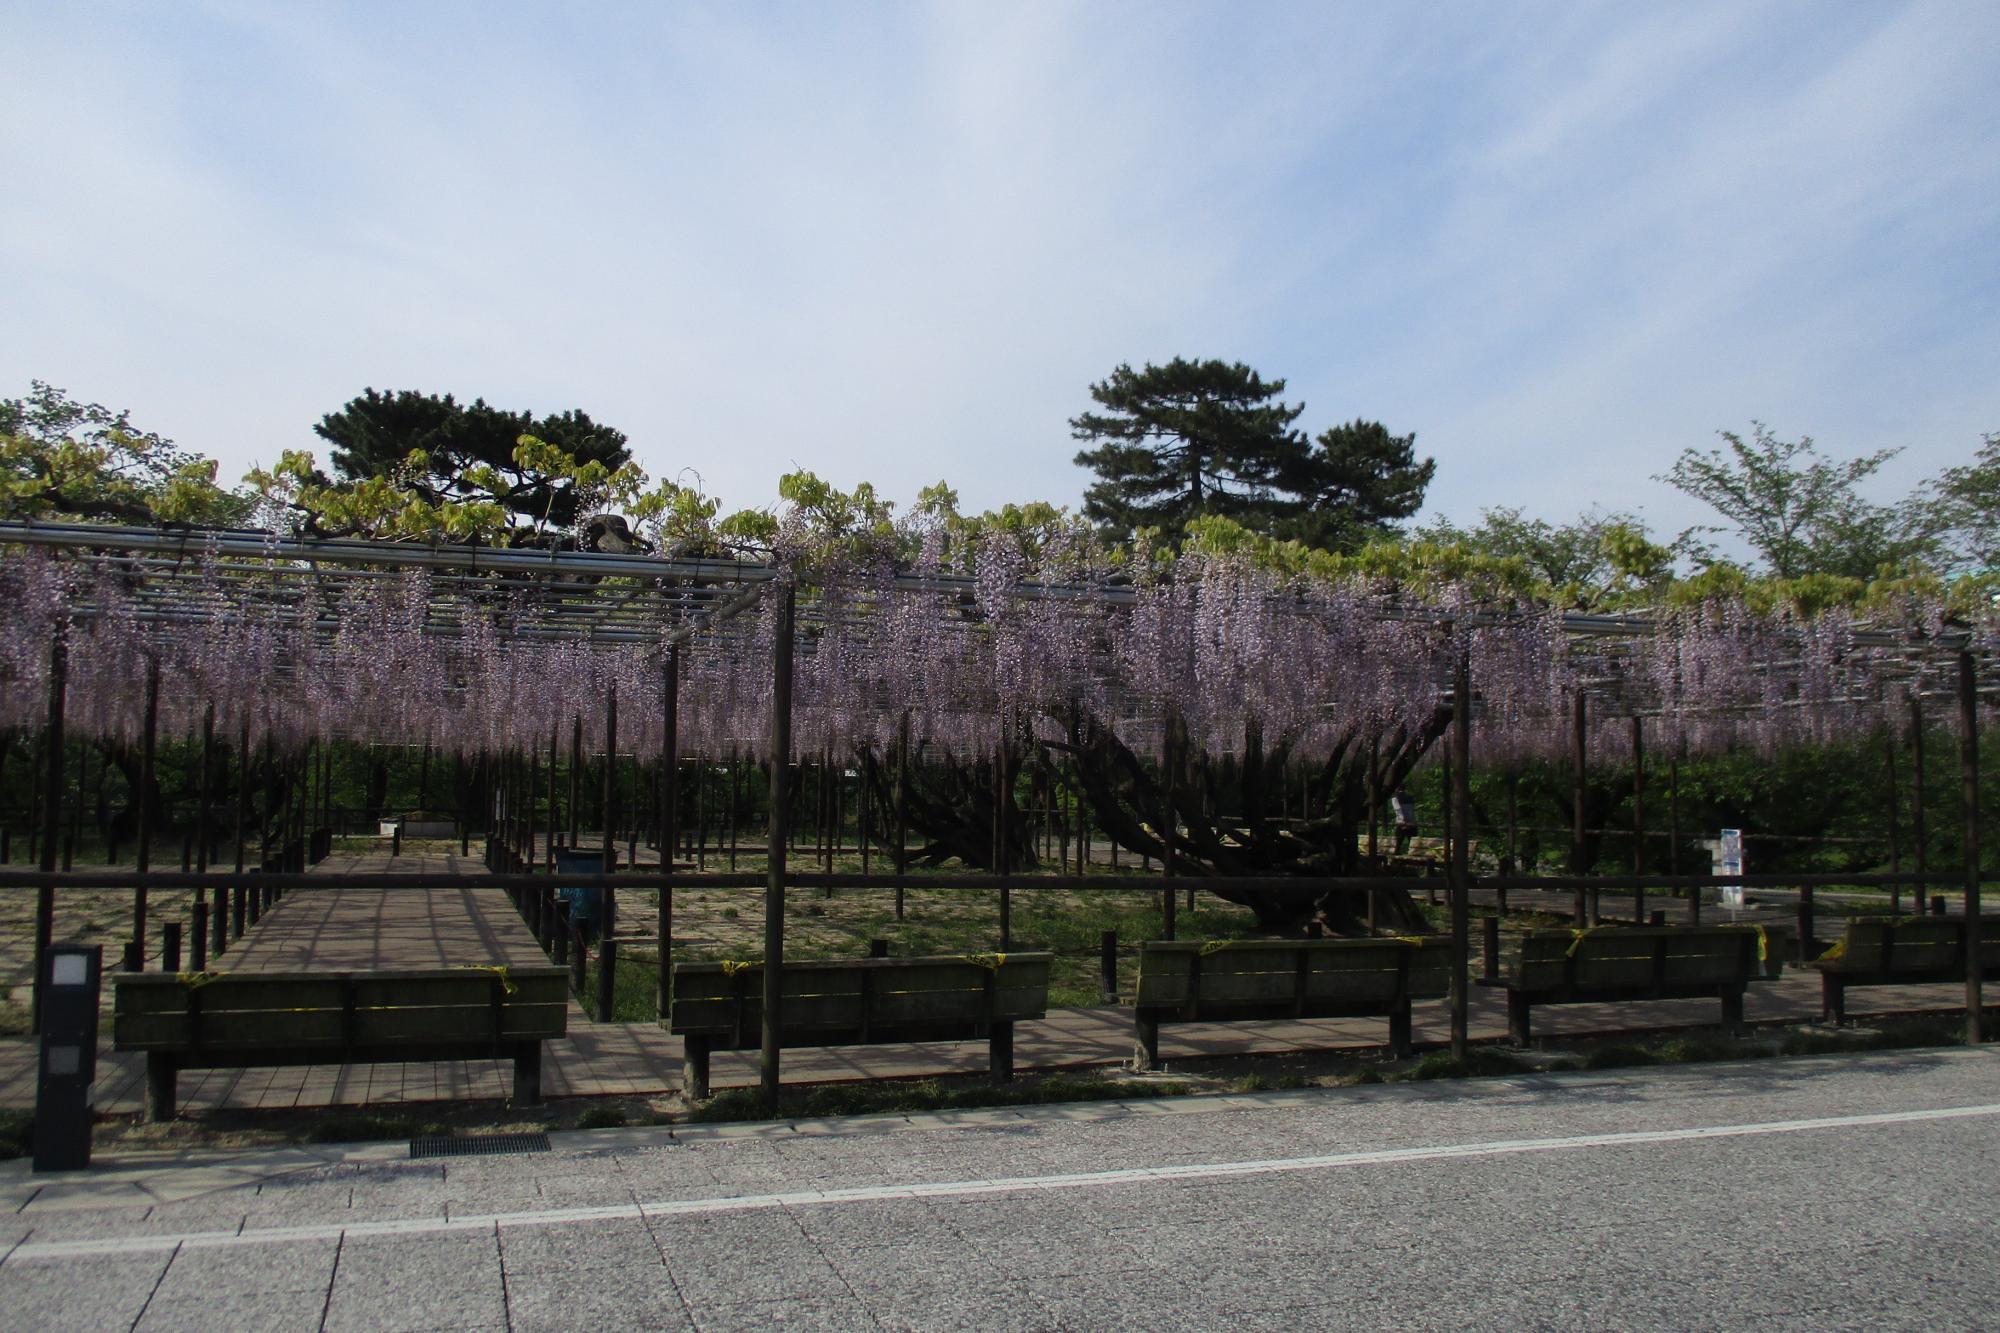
x=1850 y=1192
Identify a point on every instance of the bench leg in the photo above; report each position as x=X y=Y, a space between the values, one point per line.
x=694 y=1068
x=1517 y=1017
x=162 y=1086
x=1399 y=1031
x=1732 y=1011
x=1146 y=1054
x=1000 y=1052
x=1833 y=998
x=528 y=1074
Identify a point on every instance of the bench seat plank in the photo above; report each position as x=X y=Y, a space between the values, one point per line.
x=253 y=1019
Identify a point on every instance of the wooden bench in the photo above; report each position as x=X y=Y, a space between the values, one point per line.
x=1607 y=964
x=859 y=1002
x=1263 y=980
x=1901 y=951
x=251 y=1019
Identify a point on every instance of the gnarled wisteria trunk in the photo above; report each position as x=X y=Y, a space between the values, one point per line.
x=1231 y=820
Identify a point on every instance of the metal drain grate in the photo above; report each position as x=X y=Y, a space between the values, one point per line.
x=478 y=1145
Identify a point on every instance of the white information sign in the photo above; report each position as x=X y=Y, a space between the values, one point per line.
x=1729 y=861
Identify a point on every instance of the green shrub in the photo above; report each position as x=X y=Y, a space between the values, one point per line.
x=601 y=1117
x=16 y=1133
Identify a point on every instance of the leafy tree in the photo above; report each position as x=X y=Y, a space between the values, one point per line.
x=1967 y=507
x=1185 y=439
x=63 y=459
x=1357 y=484
x=473 y=451
x=1800 y=511
x=1579 y=563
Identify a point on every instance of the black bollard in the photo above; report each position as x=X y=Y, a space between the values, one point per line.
x=198 y=940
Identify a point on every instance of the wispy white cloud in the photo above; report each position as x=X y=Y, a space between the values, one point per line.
x=898 y=244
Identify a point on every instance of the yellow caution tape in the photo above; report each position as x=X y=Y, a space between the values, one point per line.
x=1576 y=938
x=196 y=980
x=1414 y=941
x=1213 y=946
x=1763 y=945
x=730 y=967
x=1836 y=953
x=499 y=970
x=990 y=961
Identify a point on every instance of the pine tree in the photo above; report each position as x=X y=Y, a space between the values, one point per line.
x=1184 y=439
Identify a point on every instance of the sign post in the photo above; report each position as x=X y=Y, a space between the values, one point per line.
x=69 y=1056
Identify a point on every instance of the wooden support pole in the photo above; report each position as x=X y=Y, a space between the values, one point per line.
x=774 y=879
x=51 y=813
x=1169 y=771
x=1674 y=827
x=148 y=750
x=1578 y=738
x=670 y=796
x=1968 y=769
x=1374 y=802
x=1895 y=796
x=1638 y=816
x=550 y=858
x=575 y=773
x=201 y=826
x=607 y=911
x=239 y=897
x=1461 y=863
x=1919 y=841
x=902 y=808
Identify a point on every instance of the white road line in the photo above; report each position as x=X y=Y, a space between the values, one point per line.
x=424 y=1226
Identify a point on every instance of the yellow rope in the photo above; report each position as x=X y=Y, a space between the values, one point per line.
x=1576 y=938
x=1836 y=953
x=498 y=970
x=990 y=961
x=1213 y=946
x=196 y=980
x=1763 y=945
x=730 y=966
x=1414 y=941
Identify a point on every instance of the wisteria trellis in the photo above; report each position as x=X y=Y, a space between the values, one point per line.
x=1215 y=641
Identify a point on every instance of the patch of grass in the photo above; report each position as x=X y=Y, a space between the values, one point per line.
x=1252 y=1083
x=602 y=1117
x=634 y=987
x=16 y=1133
x=930 y=1094
x=1697 y=1050
x=1479 y=1062
x=13 y=1018
x=1622 y=1055
x=359 y=1127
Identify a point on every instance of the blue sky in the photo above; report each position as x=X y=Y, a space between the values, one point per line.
x=898 y=242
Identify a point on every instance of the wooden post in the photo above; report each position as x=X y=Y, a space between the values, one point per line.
x=774 y=879
x=575 y=773
x=1375 y=805
x=670 y=767
x=1674 y=827
x=1579 y=724
x=239 y=896
x=1919 y=841
x=1968 y=769
x=1461 y=862
x=1513 y=835
x=201 y=835
x=1107 y=965
x=1169 y=771
x=51 y=813
x=1638 y=816
x=735 y=804
x=148 y=746
x=607 y=912
x=1003 y=791
x=902 y=808
x=1895 y=825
